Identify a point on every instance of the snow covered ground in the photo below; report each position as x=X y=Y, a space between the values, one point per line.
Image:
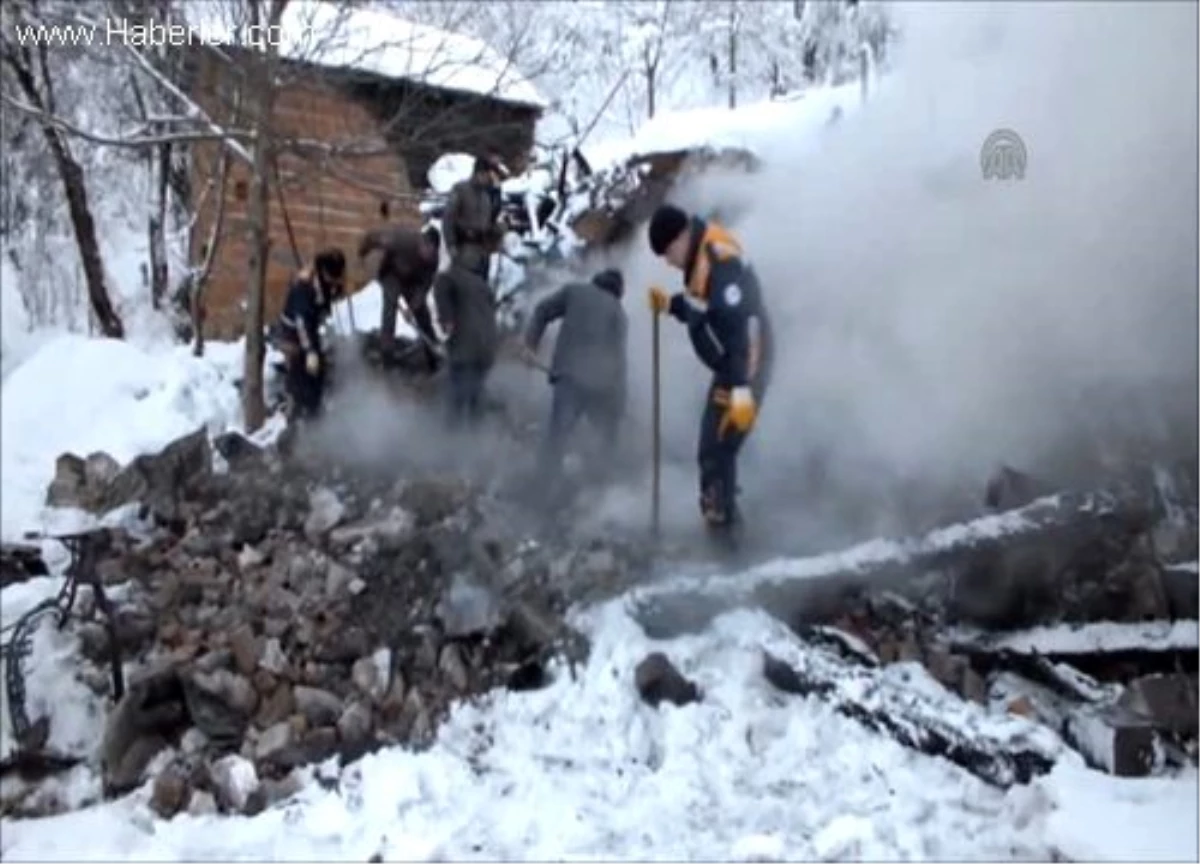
x=80 y=395
x=582 y=769
x=585 y=770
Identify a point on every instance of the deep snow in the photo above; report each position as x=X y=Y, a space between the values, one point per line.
x=583 y=769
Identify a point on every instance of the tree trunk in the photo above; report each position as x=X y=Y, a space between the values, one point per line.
x=158 y=245
x=733 y=40
x=651 y=75
x=258 y=213
x=198 y=312
x=253 y=405
x=70 y=172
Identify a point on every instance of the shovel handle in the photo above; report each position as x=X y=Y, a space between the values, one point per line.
x=656 y=409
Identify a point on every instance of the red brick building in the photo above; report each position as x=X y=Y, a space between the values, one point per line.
x=380 y=135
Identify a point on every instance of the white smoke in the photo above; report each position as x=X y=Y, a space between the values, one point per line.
x=932 y=324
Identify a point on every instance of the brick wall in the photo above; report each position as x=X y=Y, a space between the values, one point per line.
x=325 y=206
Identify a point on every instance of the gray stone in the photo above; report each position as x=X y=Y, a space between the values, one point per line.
x=234 y=780
x=325 y=512
x=273 y=740
x=319 y=707
x=657 y=681
x=354 y=725
x=392 y=527
x=273 y=659
x=171 y=791
x=452 y=665
x=338 y=579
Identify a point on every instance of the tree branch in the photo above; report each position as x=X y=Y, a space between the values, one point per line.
x=136 y=141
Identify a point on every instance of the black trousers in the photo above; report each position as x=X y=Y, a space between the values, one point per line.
x=464 y=393
x=720 y=445
x=476 y=259
x=307 y=392
x=571 y=403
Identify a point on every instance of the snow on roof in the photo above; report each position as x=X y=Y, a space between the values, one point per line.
x=755 y=127
x=380 y=42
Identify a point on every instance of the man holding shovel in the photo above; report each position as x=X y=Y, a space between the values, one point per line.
x=722 y=307
x=588 y=369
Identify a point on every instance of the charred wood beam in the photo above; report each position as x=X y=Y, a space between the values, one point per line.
x=1107 y=650
x=1038 y=563
x=999 y=751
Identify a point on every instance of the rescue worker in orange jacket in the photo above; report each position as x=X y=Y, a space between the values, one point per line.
x=722 y=307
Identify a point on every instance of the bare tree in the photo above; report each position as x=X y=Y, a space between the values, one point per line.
x=30 y=74
x=260 y=99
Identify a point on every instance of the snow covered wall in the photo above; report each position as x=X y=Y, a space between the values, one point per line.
x=932 y=323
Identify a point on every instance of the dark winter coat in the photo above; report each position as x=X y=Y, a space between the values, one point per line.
x=403 y=267
x=467 y=313
x=590 y=349
x=469 y=223
x=304 y=308
x=729 y=328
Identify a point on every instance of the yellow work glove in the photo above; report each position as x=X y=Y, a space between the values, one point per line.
x=312 y=362
x=742 y=410
x=660 y=300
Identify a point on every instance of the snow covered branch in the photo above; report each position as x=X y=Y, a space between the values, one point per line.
x=134 y=140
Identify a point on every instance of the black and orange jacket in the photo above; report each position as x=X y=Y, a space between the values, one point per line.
x=304 y=308
x=724 y=310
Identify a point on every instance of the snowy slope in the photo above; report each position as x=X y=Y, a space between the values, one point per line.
x=82 y=395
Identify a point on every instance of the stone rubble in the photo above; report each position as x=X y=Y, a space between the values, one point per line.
x=279 y=617
x=287 y=613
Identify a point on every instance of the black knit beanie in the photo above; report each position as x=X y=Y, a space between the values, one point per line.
x=667 y=223
x=611 y=281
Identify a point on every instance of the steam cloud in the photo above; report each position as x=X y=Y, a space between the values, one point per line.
x=932 y=324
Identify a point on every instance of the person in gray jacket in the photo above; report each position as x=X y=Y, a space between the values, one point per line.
x=467 y=315
x=588 y=370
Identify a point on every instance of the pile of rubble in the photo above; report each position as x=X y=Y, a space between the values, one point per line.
x=271 y=611
x=269 y=618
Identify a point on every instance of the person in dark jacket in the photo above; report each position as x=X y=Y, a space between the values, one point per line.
x=588 y=369
x=470 y=220
x=308 y=303
x=406 y=270
x=722 y=307
x=467 y=315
